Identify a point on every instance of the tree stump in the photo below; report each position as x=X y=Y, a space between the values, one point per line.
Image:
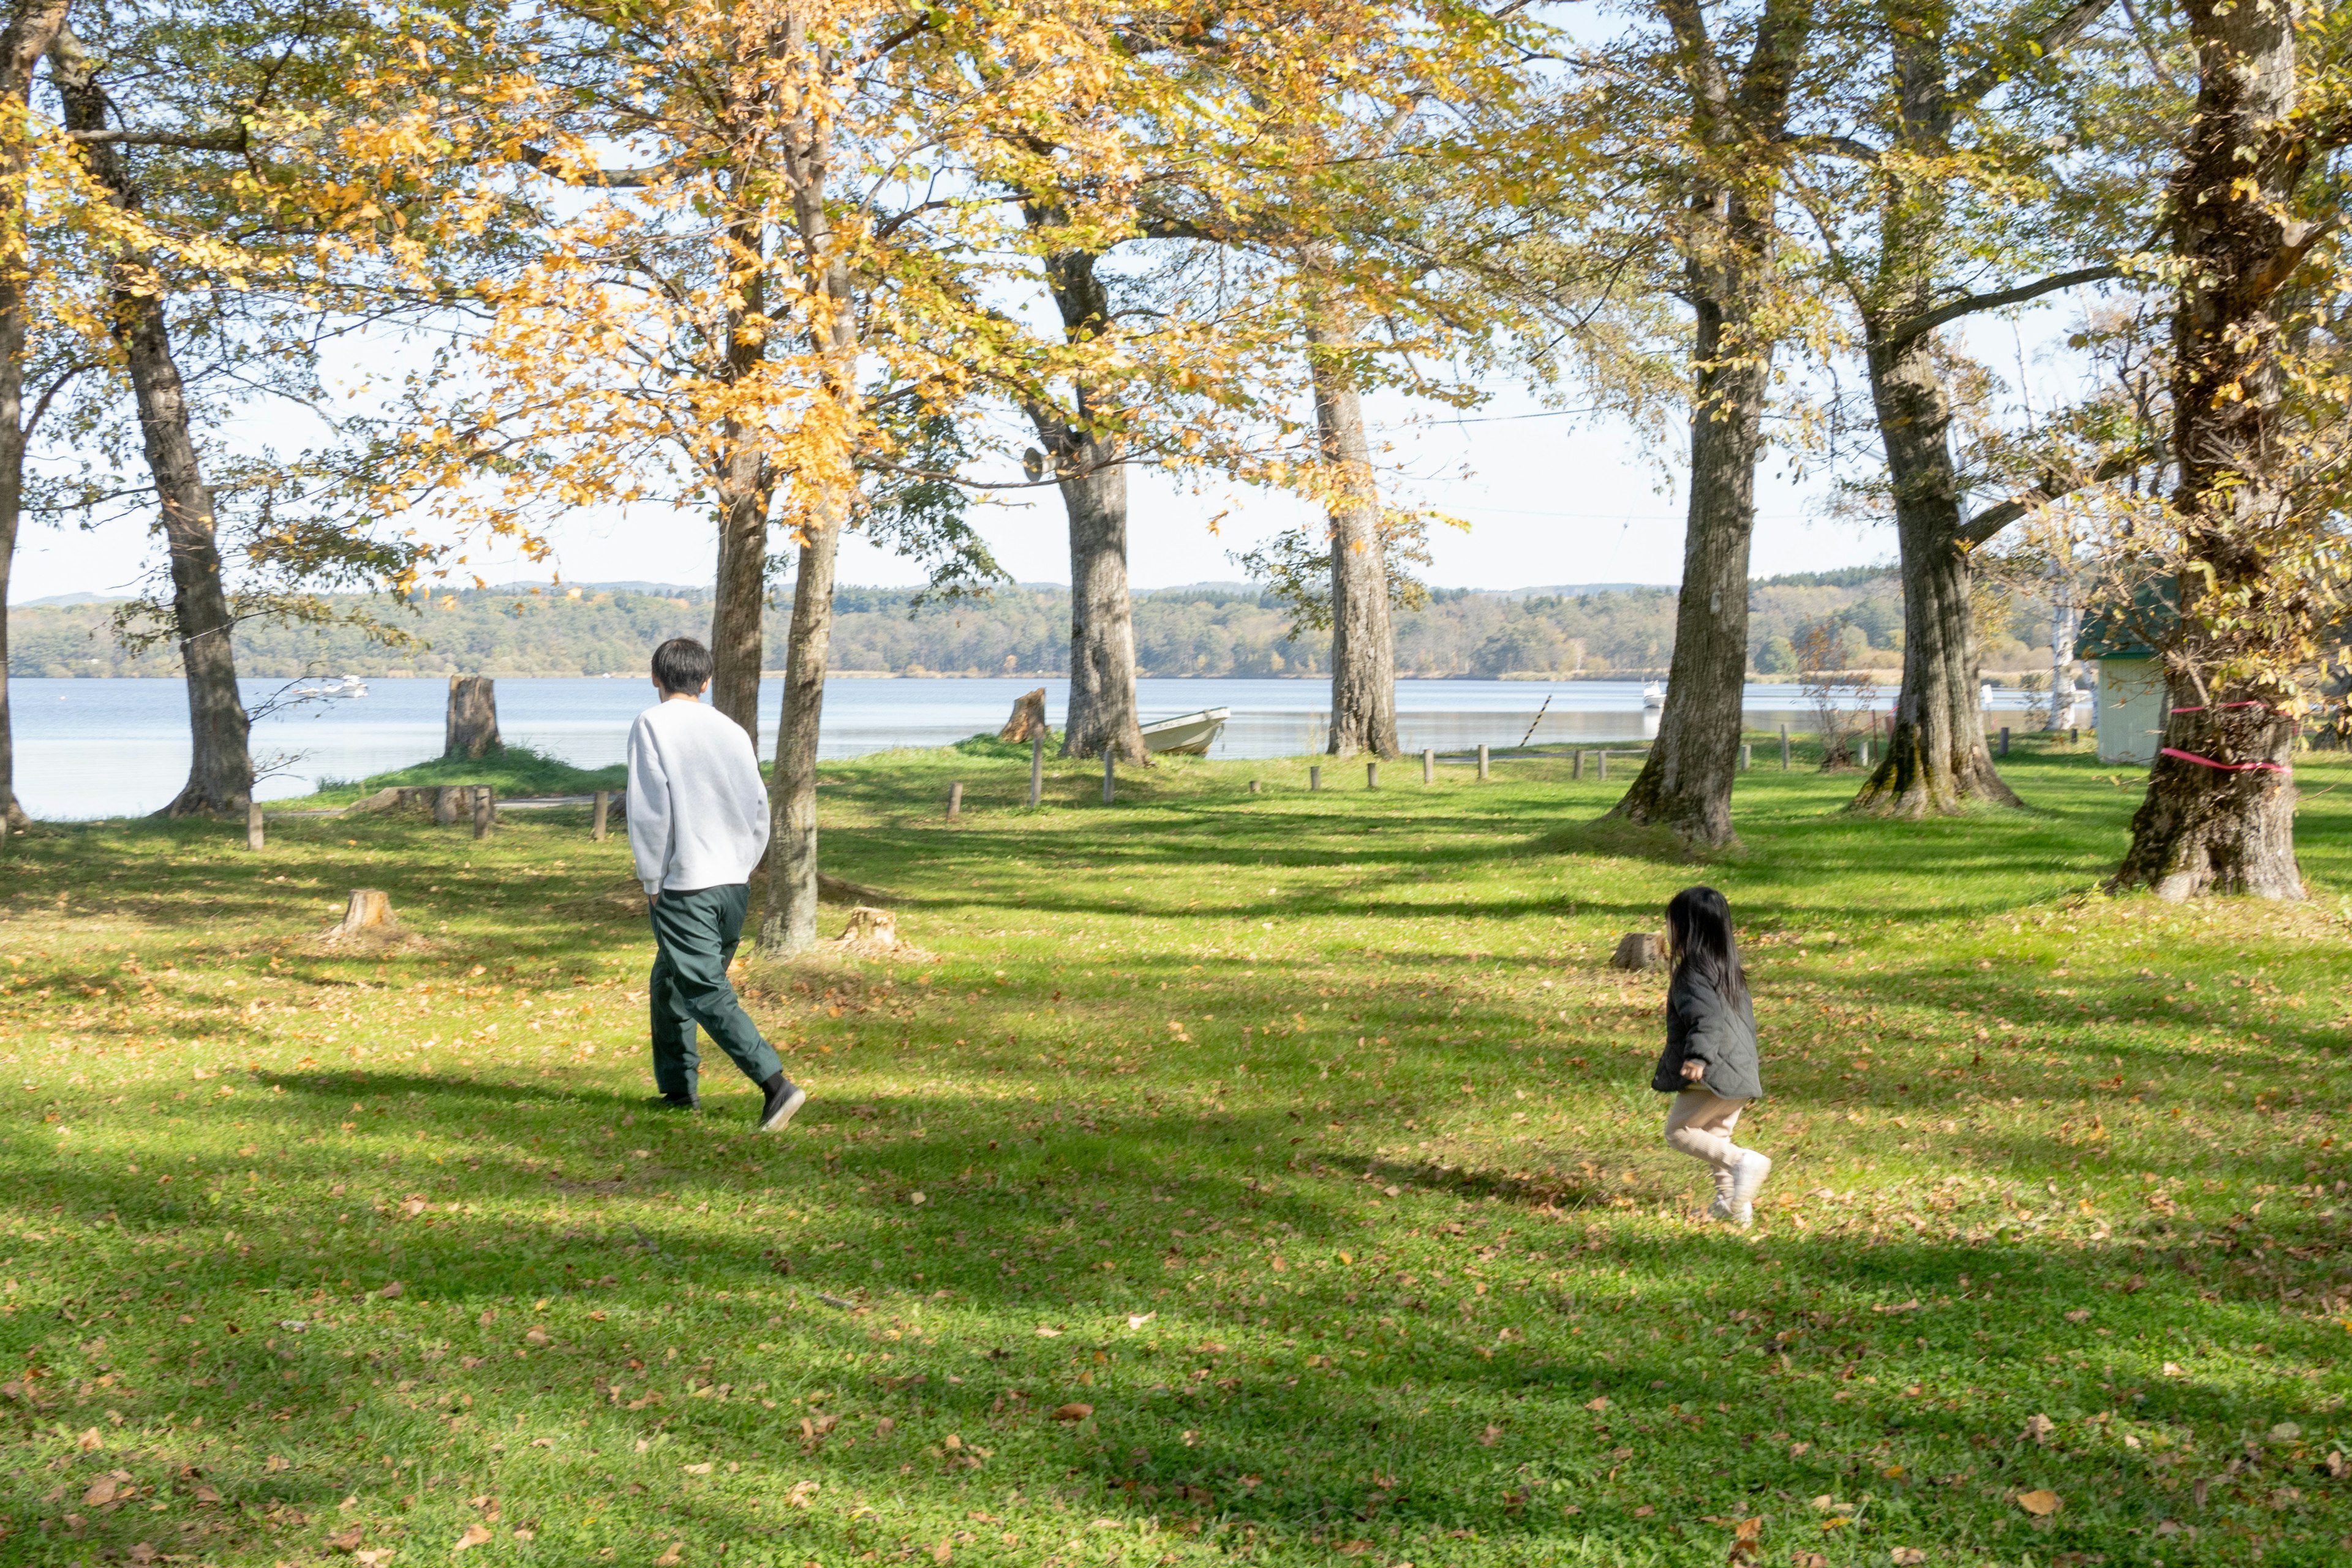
x=446 y=800
x=1028 y=719
x=868 y=924
x=369 y=912
x=1639 y=949
x=472 y=729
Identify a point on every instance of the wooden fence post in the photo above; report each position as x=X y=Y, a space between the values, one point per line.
x=604 y=810
x=256 y=834
x=955 y=800
x=1371 y=775
x=1576 y=770
x=2004 y=739
x=1313 y=781
x=1747 y=756
x=1037 y=765
x=1604 y=765
x=1106 y=775
x=1482 y=762
x=1253 y=786
x=1428 y=765
x=1784 y=748
x=486 y=811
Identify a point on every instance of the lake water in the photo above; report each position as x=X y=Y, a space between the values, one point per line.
x=112 y=748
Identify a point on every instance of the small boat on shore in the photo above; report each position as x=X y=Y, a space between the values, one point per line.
x=1187 y=734
x=1653 y=697
x=349 y=686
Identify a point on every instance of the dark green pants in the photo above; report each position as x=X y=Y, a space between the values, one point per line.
x=696 y=934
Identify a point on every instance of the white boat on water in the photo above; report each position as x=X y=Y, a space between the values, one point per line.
x=1653 y=697
x=349 y=686
x=1189 y=734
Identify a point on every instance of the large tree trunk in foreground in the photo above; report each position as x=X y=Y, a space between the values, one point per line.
x=2219 y=811
x=32 y=23
x=1935 y=760
x=1363 y=644
x=739 y=599
x=220 y=770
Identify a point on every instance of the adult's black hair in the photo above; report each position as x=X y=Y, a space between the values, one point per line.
x=681 y=663
x=1698 y=923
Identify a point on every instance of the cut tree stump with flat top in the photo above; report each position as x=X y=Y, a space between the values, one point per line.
x=369 y=911
x=1028 y=719
x=867 y=923
x=1639 y=949
x=472 y=729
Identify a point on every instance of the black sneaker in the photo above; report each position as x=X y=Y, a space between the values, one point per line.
x=782 y=1100
x=678 y=1102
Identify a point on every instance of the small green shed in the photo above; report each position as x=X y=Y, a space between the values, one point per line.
x=2130 y=710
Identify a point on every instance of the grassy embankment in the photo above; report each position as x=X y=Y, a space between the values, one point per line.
x=1267 y=1178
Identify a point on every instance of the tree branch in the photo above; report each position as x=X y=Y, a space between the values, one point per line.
x=2294 y=246
x=1834 y=147
x=1929 y=320
x=2056 y=35
x=1993 y=519
x=193 y=142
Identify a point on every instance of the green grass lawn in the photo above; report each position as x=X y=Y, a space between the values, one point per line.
x=1267 y=1178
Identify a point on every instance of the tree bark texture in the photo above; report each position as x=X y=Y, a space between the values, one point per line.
x=1363 y=643
x=745 y=489
x=220 y=768
x=470 y=727
x=1685 y=784
x=32 y=25
x=789 y=925
x=1935 y=760
x=1085 y=461
x=2219 y=816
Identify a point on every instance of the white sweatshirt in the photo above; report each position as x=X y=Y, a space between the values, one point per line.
x=698 y=807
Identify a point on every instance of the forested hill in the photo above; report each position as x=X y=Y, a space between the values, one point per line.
x=1203 y=630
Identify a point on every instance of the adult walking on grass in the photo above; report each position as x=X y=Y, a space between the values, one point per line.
x=1709 y=1064
x=699 y=826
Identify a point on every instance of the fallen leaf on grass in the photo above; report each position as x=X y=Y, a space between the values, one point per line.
x=1045 y=1333
x=701 y=1470
x=2172 y=1368
x=673 y=1557
x=2037 y=1502
x=1137 y=1320
x=2038 y=1429
x=1491 y=1435
x=1908 y=1557
x=801 y=1494
x=348 y=1541
x=1599 y=1403
x=142 y=1552
x=942 y=1551
x=1747 y=1542
x=1074 y=1411
x=206 y=1493
x=102 y=1492
x=476 y=1534
x=1808 y=1560
x=372 y=1559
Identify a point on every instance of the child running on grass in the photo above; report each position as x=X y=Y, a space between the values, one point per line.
x=697 y=826
x=1709 y=1064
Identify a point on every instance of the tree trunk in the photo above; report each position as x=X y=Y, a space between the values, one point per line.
x=1935 y=760
x=790 y=925
x=746 y=488
x=2219 y=816
x=1685 y=784
x=1102 y=618
x=1084 y=461
x=220 y=768
x=2066 y=624
x=1363 y=646
x=470 y=729
x=32 y=23
x=738 y=647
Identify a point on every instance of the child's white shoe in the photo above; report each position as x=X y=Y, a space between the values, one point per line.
x=1747 y=1181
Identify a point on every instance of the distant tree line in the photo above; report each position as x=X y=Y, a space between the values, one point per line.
x=1210 y=630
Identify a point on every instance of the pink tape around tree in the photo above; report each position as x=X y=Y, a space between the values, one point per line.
x=2225 y=767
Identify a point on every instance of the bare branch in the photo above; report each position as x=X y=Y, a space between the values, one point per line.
x=1993 y=519
x=2056 y=36
x=191 y=141
x=1929 y=320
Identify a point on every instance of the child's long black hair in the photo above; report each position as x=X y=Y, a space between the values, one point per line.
x=1698 y=923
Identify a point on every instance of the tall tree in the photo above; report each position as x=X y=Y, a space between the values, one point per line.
x=220 y=766
x=1962 y=157
x=32 y=25
x=2258 y=391
x=1729 y=137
